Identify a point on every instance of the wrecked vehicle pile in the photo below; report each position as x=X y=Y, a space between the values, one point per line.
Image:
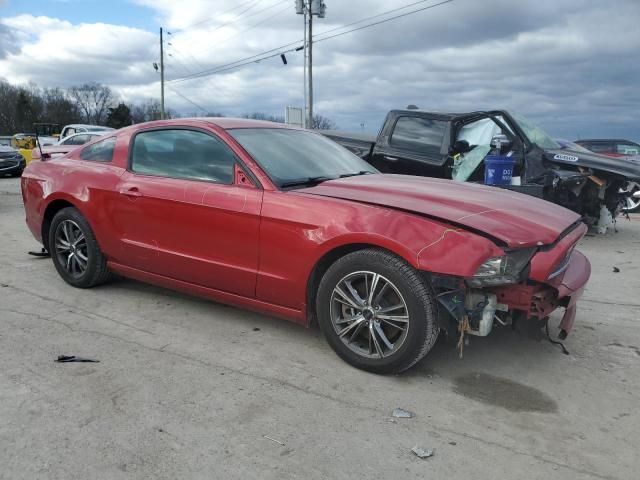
x=455 y=146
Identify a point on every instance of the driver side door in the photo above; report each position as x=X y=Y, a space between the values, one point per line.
x=182 y=213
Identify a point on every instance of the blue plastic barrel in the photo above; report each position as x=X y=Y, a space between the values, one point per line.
x=498 y=170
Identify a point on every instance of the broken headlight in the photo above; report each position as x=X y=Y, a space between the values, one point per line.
x=502 y=270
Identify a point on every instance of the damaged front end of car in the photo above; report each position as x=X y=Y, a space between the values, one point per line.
x=520 y=289
x=598 y=195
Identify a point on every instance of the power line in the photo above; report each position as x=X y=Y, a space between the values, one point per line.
x=254 y=59
x=189 y=27
x=385 y=20
x=374 y=16
x=224 y=40
x=179 y=63
x=187 y=99
x=229 y=22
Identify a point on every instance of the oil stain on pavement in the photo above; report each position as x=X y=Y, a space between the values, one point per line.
x=502 y=392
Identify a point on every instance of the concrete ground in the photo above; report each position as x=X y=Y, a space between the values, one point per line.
x=187 y=388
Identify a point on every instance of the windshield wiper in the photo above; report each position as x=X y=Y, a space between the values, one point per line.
x=361 y=172
x=302 y=182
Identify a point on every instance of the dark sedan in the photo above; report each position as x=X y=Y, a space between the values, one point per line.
x=11 y=162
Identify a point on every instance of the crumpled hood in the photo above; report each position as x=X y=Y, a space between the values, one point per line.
x=516 y=219
x=628 y=167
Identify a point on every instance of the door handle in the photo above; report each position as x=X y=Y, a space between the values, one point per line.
x=132 y=192
x=391 y=159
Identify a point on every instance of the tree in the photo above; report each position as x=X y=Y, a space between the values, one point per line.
x=119 y=116
x=321 y=122
x=264 y=116
x=93 y=101
x=58 y=108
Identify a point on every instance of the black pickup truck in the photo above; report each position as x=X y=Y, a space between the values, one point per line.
x=453 y=145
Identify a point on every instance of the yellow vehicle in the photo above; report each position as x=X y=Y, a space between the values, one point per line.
x=47 y=133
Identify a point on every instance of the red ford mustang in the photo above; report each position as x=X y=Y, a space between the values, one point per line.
x=287 y=222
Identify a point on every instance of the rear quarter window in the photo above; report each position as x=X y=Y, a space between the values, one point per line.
x=101 y=151
x=421 y=135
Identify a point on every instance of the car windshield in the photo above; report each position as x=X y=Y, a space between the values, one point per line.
x=299 y=157
x=535 y=134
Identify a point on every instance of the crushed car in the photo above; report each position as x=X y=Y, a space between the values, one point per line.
x=455 y=146
x=287 y=222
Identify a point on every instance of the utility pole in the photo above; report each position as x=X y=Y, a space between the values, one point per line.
x=304 y=69
x=309 y=8
x=310 y=73
x=162 y=115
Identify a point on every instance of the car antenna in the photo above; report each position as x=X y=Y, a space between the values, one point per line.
x=39 y=146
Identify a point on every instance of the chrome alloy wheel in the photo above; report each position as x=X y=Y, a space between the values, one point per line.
x=369 y=314
x=632 y=202
x=71 y=248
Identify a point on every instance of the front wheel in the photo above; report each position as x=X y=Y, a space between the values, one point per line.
x=75 y=251
x=377 y=312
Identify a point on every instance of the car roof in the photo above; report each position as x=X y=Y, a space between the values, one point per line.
x=86 y=125
x=226 y=123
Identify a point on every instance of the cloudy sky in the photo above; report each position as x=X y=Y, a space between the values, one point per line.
x=571 y=65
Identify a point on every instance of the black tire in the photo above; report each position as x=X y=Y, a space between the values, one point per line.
x=419 y=299
x=96 y=271
x=17 y=174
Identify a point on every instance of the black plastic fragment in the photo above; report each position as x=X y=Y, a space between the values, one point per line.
x=555 y=342
x=41 y=253
x=73 y=358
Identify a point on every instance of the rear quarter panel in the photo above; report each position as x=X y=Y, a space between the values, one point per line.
x=86 y=185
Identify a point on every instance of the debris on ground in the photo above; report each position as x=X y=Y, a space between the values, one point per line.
x=273 y=440
x=402 y=413
x=422 y=452
x=73 y=358
x=616 y=270
x=453 y=443
x=256 y=329
x=42 y=253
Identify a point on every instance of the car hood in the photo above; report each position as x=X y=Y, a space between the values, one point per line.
x=514 y=219
x=628 y=167
x=7 y=149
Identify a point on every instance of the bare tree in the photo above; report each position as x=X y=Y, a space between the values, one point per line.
x=93 y=100
x=321 y=122
x=264 y=116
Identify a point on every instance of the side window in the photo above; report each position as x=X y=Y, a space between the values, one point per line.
x=187 y=154
x=421 y=135
x=627 y=149
x=599 y=147
x=99 y=152
x=77 y=140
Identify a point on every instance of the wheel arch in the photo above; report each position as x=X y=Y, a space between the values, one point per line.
x=50 y=211
x=330 y=256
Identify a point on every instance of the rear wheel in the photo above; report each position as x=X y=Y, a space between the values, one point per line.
x=75 y=251
x=376 y=311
